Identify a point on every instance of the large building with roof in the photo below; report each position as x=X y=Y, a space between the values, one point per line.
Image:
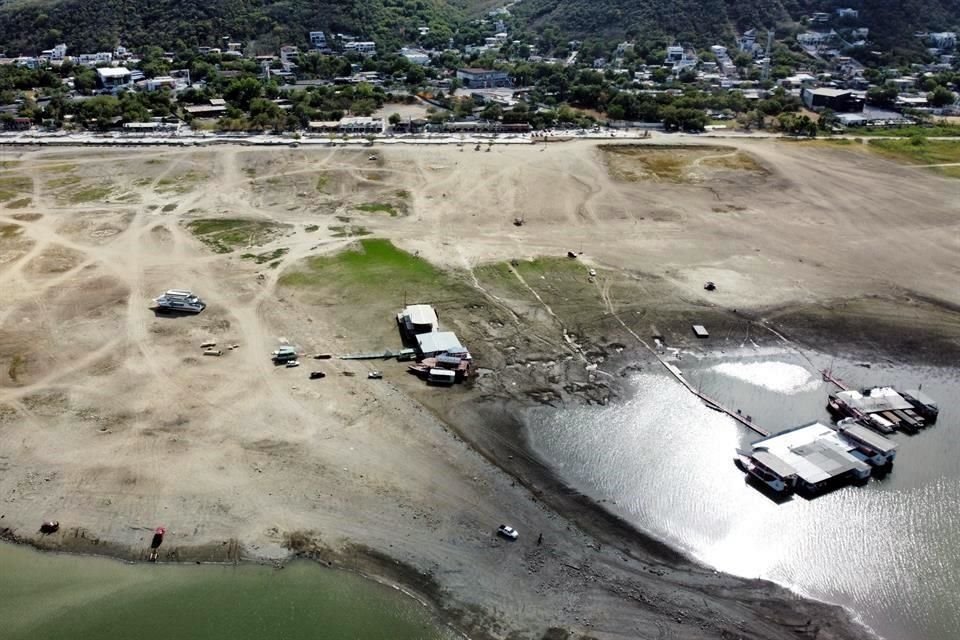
x=838 y=100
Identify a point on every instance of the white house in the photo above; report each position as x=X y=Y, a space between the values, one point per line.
x=364 y=48
x=318 y=40
x=113 y=79
x=415 y=56
x=848 y=13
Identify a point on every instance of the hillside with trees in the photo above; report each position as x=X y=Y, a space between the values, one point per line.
x=27 y=26
x=700 y=22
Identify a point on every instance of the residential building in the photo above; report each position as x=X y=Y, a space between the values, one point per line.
x=93 y=59
x=848 y=13
x=114 y=79
x=288 y=55
x=820 y=17
x=348 y=126
x=59 y=52
x=318 y=40
x=838 y=100
x=943 y=40
x=475 y=78
x=747 y=43
x=674 y=54
x=416 y=56
x=364 y=48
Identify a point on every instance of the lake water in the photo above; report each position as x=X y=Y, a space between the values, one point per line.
x=83 y=598
x=890 y=551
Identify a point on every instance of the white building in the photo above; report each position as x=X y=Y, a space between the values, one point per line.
x=848 y=13
x=318 y=40
x=364 y=48
x=59 y=52
x=93 y=59
x=943 y=40
x=114 y=79
x=415 y=56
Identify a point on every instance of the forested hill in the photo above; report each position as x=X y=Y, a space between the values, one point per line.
x=86 y=26
x=892 y=22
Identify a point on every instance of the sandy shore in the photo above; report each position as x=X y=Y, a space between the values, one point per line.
x=112 y=422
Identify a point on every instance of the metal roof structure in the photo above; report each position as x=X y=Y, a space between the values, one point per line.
x=421 y=314
x=438 y=342
x=815 y=453
x=869 y=438
x=774 y=463
x=874 y=400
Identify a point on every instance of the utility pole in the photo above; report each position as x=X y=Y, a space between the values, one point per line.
x=768 y=54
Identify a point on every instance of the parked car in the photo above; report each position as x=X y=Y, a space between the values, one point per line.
x=315 y=375
x=375 y=375
x=507 y=532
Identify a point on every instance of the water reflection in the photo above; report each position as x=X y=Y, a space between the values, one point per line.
x=664 y=461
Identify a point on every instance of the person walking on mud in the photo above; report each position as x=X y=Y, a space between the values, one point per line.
x=540 y=540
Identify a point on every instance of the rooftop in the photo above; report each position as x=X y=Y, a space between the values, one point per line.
x=878 y=399
x=113 y=72
x=438 y=342
x=815 y=453
x=828 y=92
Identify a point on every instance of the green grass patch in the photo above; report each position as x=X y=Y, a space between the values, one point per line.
x=933 y=131
x=310 y=228
x=372 y=264
x=670 y=163
x=250 y=172
x=10 y=231
x=90 y=194
x=180 y=184
x=348 y=231
x=167 y=208
x=323 y=181
x=378 y=207
x=9 y=164
x=62 y=181
x=918 y=150
x=19 y=204
x=269 y=256
x=13 y=186
x=223 y=235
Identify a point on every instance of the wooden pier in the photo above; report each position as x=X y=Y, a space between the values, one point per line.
x=828 y=377
x=710 y=402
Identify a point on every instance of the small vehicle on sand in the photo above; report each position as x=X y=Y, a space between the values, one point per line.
x=316 y=375
x=375 y=375
x=507 y=532
x=50 y=526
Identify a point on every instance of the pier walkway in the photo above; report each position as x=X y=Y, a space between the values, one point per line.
x=676 y=373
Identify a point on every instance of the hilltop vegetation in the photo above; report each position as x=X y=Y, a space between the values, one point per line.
x=172 y=24
x=892 y=22
x=32 y=25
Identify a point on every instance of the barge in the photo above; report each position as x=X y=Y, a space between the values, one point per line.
x=815 y=458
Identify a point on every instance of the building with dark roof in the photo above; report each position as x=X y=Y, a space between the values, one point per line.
x=838 y=100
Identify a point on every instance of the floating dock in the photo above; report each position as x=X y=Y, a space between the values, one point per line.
x=814 y=458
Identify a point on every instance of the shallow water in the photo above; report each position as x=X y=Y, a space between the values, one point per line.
x=890 y=551
x=54 y=595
